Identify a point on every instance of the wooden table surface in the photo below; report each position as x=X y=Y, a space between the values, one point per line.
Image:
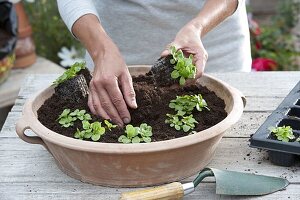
x=28 y=171
x=10 y=88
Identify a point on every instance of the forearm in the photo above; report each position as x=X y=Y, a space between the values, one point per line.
x=92 y=35
x=213 y=13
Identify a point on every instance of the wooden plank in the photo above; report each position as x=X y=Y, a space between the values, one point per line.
x=22 y=162
x=247 y=125
x=76 y=190
x=261 y=84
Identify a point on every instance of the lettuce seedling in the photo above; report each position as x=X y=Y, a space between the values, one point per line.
x=283 y=133
x=186 y=104
x=136 y=134
x=70 y=73
x=109 y=125
x=81 y=115
x=97 y=130
x=145 y=132
x=183 y=67
x=180 y=122
x=92 y=131
x=79 y=134
x=131 y=135
x=65 y=119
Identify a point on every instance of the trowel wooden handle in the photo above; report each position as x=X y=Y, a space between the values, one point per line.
x=172 y=191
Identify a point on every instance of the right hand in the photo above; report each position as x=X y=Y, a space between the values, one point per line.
x=111 y=88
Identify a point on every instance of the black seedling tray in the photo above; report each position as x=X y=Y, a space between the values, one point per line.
x=288 y=114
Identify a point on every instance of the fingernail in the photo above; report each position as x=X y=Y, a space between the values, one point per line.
x=134 y=103
x=126 y=120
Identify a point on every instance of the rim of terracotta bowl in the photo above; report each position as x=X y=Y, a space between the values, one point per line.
x=31 y=122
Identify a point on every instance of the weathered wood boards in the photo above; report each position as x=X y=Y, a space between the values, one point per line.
x=29 y=172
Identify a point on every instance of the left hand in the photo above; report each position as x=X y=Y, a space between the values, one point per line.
x=189 y=41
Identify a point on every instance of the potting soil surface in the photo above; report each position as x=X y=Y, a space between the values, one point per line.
x=152 y=109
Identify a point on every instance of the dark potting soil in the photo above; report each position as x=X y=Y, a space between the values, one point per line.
x=152 y=109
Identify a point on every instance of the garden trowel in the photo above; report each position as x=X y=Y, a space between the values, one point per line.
x=227 y=183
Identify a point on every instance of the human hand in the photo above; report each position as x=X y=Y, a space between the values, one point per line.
x=189 y=41
x=111 y=88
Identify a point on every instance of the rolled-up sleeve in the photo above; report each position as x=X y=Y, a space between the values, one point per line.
x=71 y=10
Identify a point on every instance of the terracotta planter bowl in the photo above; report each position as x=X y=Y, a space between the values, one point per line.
x=132 y=164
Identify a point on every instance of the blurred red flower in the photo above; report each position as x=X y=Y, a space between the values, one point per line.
x=263 y=64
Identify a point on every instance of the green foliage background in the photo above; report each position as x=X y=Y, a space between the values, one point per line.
x=49 y=31
x=277 y=38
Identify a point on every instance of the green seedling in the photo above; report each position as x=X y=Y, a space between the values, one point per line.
x=185 y=104
x=185 y=123
x=183 y=67
x=65 y=119
x=81 y=115
x=283 y=133
x=69 y=73
x=136 y=134
x=145 y=132
x=79 y=134
x=97 y=130
x=92 y=131
x=131 y=135
x=109 y=125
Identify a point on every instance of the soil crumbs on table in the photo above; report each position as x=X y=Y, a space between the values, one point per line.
x=152 y=109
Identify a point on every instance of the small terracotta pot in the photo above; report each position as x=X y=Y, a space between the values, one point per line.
x=132 y=164
x=25 y=48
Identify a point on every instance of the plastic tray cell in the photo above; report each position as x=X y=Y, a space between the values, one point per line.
x=286 y=114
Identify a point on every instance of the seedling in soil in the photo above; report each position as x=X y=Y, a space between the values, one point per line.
x=69 y=73
x=284 y=133
x=136 y=134
x=183 y=67
x=180 y=122
x=145 y=132
x=65 y=119
x=81 y=115
x=186 y=104
x=92 y=131
x=109 y=125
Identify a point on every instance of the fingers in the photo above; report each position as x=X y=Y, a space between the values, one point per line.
x=117 y=99
x=90 y=103
x=200 y=59
x=94 y=103
x=108 y=106
x=108 y=100
x=128 y=91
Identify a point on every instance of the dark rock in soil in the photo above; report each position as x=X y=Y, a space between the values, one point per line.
x=152 y=108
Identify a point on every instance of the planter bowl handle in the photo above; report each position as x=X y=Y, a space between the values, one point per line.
x=240 y=94
x=21 y=126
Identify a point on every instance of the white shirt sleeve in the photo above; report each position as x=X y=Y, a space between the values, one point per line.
x=71 y=10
